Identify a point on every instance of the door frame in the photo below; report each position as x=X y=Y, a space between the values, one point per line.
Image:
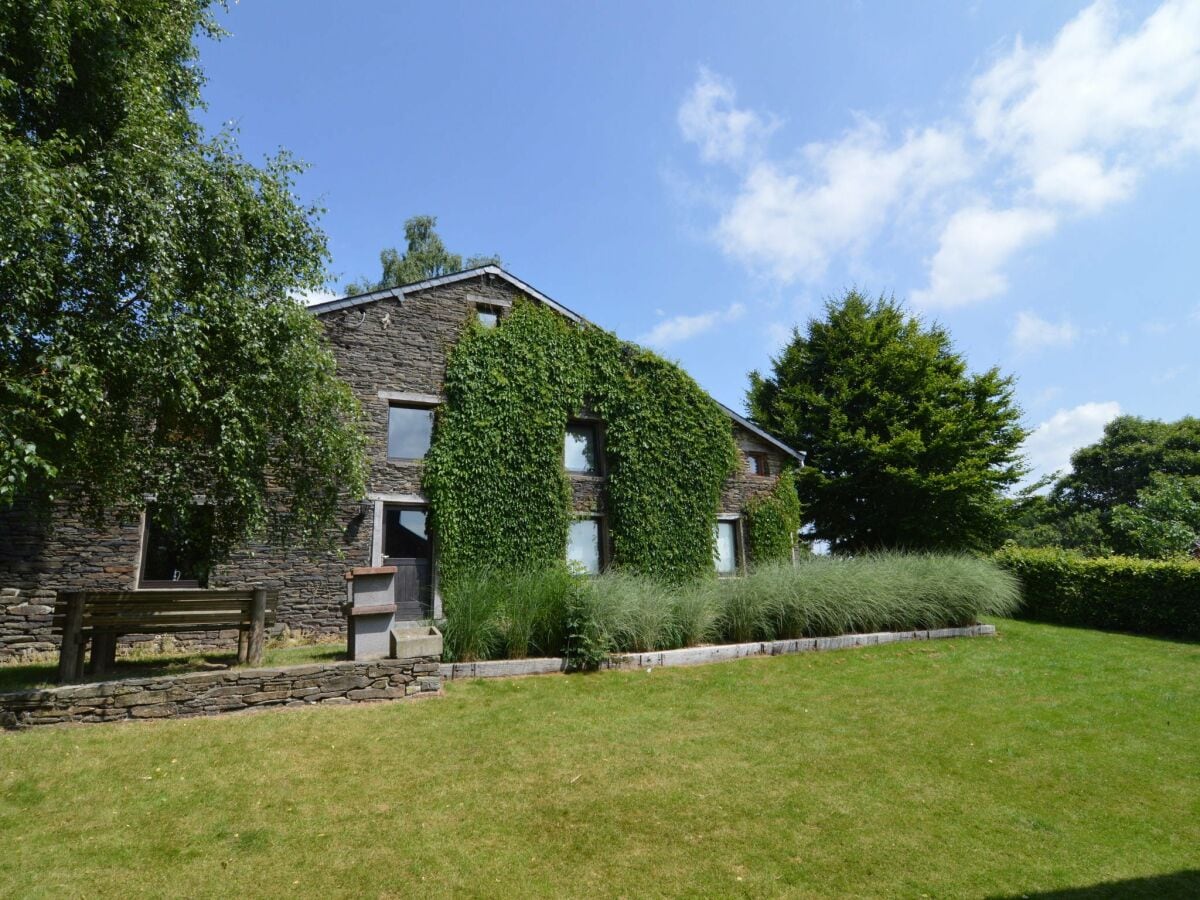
x=411 y=501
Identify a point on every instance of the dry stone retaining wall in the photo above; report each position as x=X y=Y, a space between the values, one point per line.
x=209 y=693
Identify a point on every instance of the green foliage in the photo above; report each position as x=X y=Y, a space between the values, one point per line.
x=507 y=614
x=873 y=592
x=772 y=521
x=498 y=492
x=1132 y=491
x=1041 y=521
x=494 y=475
x=147 y=340
x=425 y=257
x=619 y=612
x=905 y=448
x=1111 y=471
x=669 y=449
x=1117 y=593
x=1165 y=520
x=587 y=645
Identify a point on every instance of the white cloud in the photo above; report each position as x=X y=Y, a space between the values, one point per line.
x=976 y=244
x=790 y=219
x=681 y=328
x=1121 y=100
x=1047 y=134
x=724 y=133
x=1048 y=449
x=1031 y=332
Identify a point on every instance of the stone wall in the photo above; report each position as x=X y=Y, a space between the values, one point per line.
x=210 y=693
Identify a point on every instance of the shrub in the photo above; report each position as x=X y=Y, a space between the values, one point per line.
x=470 y=604
x=507 y=614
x=547 y=611
x=695 y=611
x=877 y=592
x=1117 y=593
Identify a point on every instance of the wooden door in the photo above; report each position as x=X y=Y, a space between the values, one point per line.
x=407 y=546
x=412 y=588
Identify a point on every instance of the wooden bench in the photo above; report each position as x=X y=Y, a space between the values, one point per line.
x=103 y=616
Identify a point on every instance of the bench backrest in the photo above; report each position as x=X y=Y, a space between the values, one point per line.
x=164 y=611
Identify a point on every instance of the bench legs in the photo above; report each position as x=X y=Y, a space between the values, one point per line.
x=70 y=655
x=104 y=653
x=258 y=628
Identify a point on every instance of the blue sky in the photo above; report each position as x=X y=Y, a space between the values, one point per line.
x=700 y=176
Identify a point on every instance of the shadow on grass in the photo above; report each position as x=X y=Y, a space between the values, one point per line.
x=1185 y=883
x=43 y=675
x=1081 y=626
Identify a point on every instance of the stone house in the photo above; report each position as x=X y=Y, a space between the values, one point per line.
x=391 y=348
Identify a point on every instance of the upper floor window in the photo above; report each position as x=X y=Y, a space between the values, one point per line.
x=176 y=549
x=489 y=316
x=581 y=450
x=757 y=463
x=410 y=429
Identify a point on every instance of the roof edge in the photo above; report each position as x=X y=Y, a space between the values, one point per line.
x=400 y=291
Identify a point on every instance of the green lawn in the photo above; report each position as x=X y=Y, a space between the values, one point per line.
x=1043 y=760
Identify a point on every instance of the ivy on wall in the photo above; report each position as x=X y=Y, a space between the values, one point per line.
x=772 y=520
x=498 y=493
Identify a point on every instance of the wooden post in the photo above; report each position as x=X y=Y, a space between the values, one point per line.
x=104 y=652
x=258 y=627
x=70 y=655
x=243 y=645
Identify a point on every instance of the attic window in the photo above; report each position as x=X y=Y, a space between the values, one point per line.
x=757 y=463
x=489 y=316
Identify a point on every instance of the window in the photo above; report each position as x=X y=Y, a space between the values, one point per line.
x=580 y=451
x=410 y=429
x=584 y=545
x=489 y=316
x=725 y=555
x=176 y=549
x=757 y=464
x=405 y=535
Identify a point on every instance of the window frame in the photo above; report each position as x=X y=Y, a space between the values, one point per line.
x=598 y=470
x=761 y=460
x=420 y=407
x=490 y=309
x=601 y=540
x=734 y=521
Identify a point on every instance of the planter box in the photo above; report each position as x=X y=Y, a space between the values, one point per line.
x=409 y=641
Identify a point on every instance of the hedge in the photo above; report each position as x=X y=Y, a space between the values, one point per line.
x=1116 y=593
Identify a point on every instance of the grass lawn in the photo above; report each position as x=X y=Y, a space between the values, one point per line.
x=1043 y=760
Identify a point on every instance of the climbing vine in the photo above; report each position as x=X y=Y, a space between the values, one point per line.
x=772 y=520
x=494 y=474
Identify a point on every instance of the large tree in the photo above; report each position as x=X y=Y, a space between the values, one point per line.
x=148 y=342
x=1133 y=491
x=906 y=449
x=1114 y=469
x=425 y=257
